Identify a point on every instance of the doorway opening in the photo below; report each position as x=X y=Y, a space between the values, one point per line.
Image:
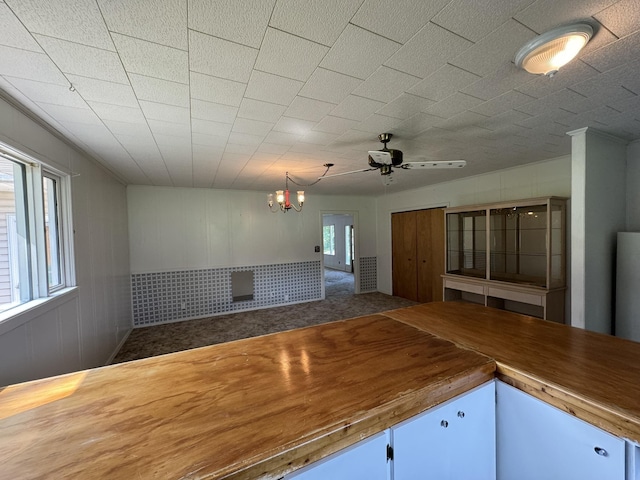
x=339 y=254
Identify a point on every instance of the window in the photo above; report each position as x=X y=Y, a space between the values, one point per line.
x=348 y=242
x=51 y=200
x=32 y=239
x=329 y=239
x=14 y=273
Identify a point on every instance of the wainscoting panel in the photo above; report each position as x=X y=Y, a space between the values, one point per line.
x=368 y=274
x=164 y=297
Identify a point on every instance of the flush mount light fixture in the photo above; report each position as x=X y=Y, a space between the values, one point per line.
x=547 y=53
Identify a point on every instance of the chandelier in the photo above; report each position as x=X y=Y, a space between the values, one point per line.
x=283 y=197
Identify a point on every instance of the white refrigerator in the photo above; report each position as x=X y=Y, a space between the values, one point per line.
x=628 y=286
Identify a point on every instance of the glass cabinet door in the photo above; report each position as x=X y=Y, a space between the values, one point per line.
x=518 y=237
x=466 y=243
x=557 y=243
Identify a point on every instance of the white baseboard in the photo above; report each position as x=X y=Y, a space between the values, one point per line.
x=120 y=345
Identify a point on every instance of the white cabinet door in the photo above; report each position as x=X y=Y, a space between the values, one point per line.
x=540 y=442
x=455 y=440
x=633 y=460
x=366 y=460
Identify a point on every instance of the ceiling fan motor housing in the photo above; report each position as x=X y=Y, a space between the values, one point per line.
x=386 y=170
x=396 y=157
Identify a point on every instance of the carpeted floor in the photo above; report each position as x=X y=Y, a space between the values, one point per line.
x=340 y=303
x=337 y=283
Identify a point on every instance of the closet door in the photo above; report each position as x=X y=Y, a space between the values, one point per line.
x=404 y=261
x=430 y=254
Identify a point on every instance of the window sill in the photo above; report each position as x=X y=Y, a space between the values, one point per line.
x=24 y=313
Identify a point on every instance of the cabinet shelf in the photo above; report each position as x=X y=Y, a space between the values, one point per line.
x=509 y=246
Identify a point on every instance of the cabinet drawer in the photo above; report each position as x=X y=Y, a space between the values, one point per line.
x=464 y=287
x=516 y=296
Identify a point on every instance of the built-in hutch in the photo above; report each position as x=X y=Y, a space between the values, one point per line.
x=508 y=255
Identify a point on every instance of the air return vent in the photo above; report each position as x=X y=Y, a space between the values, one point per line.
x=242 y=286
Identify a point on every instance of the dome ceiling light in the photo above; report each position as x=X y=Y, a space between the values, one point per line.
x=547 y=53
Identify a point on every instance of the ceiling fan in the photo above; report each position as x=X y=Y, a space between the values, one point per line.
x=387 y=159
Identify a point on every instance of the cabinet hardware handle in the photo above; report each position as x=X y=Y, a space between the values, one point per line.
x=601 y=451
x=460 y=414
x=444 y=424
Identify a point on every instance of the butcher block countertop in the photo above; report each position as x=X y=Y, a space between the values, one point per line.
x=593 y=376
x=255 y=408
x=262 y=407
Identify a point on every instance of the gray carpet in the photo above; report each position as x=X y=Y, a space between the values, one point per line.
x=338 y=305
x=337 y=283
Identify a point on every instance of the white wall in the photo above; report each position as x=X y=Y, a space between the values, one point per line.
x=83 y=328
x=599 y=212
x=633 y=187
x=548 y=178
x=191 y=228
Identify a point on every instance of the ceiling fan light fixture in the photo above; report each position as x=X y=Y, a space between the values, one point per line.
x=547 y=53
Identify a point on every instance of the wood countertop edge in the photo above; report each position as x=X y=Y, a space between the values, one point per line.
x=276 y=463
x=603 y=416
x=613 y=420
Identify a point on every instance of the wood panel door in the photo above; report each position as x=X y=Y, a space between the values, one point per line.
x=418 y=244
x=430 y=251
x=404 y=262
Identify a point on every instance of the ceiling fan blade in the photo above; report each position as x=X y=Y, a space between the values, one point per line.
x=347 y=173
x=439 y=164
x=379 y=157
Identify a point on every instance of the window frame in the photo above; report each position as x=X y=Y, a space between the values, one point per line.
x=348 y=246
x=33 y=202
x=57 y=197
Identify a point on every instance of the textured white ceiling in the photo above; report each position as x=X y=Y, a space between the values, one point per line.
x=233 y=94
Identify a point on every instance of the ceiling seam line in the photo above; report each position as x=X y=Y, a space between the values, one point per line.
x=374 y=33
x=144 y=172
x=195 y=30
